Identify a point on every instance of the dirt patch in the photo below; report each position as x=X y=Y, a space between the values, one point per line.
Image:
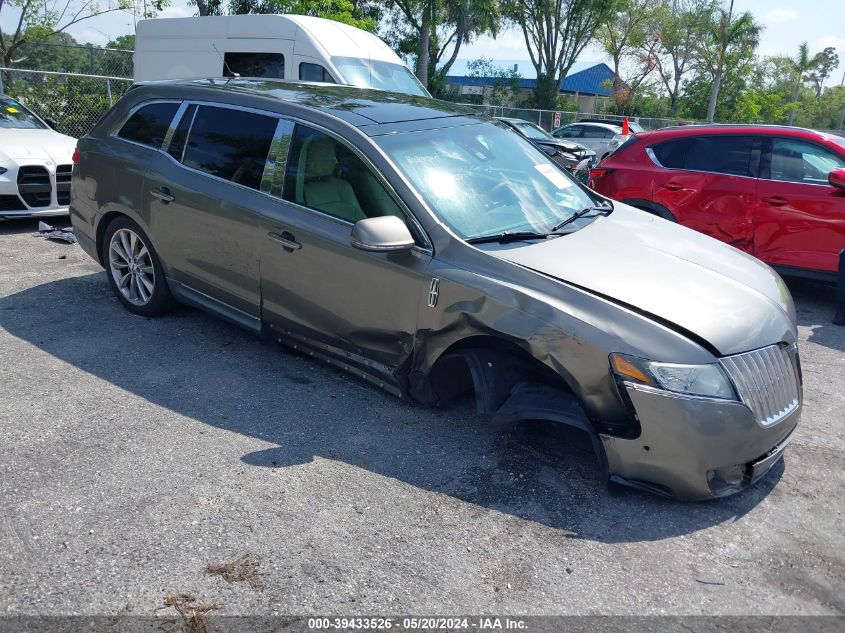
x=244 y=568
x=191 y=611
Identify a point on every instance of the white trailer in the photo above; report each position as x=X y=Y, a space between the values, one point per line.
x=294 y=47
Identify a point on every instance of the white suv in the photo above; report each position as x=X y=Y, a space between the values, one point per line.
x=35 y=164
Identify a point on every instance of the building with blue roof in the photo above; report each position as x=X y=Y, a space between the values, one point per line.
x=585 y=83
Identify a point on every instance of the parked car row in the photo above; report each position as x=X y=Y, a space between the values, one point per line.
x=436 y=252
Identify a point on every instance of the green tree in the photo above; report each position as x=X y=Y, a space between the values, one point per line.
x=345 y=11
x=681 y=24
x=556 y=32
x=628 y=37
x=505 y=87
x=433 y=32
x=730 y=49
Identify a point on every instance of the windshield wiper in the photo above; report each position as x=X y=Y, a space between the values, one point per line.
x=506 y=237
x=580 y=214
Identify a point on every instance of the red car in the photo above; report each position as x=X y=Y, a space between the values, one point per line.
x=775 y=192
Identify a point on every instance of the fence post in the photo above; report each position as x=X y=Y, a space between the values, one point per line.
x=2 y=90
x=108 y=89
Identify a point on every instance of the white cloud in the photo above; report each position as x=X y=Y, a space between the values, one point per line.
x=781 y=16
x=830 y=40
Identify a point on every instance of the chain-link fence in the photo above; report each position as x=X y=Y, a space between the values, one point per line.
x=74 y=101
x=74 y=59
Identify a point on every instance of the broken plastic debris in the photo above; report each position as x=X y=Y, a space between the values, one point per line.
x=52 y=233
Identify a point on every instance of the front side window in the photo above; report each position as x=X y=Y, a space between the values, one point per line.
x=230 y=144
x=269 y=65
x=14 y=115
x=149 y=124
x=314 y=72
x=484 y=180
x=325 y=175
x=573 y=131
x=797 y=161
x=371 y=73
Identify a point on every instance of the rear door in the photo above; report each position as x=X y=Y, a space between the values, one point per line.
x=204 y=196
x=709 y=184
x=800 y=217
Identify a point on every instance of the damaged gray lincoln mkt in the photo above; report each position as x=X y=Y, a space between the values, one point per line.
x=436 y=253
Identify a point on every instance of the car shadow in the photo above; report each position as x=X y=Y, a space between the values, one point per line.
x=816 y=305
x=203 y=368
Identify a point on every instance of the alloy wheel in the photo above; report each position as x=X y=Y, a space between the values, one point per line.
x=131 y=267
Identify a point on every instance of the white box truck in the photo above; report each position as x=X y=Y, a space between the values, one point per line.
x=295 y=47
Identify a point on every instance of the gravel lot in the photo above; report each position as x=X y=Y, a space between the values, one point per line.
x=135 y=452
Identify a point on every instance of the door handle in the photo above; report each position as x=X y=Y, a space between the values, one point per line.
x=776 y=201
x=672 y=186
x=163 y=194
x=286 y=240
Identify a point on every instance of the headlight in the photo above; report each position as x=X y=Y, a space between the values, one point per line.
x=695 y=380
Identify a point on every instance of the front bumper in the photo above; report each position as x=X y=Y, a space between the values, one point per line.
x=695 y=448
x=33 y=189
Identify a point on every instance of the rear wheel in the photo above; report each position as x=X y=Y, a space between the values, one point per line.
x=134 y=270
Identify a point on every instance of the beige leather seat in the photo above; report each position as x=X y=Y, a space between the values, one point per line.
x=319 y=188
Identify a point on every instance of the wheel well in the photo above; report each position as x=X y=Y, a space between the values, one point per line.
x=103 y=224
x=489 y=367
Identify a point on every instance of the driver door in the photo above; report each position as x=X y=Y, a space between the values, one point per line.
x=357 y=308
x=800 y=218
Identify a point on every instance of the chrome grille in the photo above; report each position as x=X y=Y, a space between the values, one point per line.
x=767 y=381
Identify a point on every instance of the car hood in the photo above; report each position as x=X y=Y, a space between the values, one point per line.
x=21 y=145
x=567 y=146
x=686 y=279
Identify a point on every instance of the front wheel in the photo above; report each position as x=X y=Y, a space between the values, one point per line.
x=134 y=270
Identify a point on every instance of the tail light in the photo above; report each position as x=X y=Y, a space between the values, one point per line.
x=75 y=158
x=599 y=172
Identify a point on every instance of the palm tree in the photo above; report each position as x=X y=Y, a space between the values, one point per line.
x=736 y=38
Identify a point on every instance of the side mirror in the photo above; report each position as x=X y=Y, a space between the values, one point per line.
x=51 y=122
x=383 y=234
x=836 y=178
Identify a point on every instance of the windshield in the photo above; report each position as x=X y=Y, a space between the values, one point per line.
x=368 y=73
x=484 y=180
x=635 y=127
x=14 y=115
x=531 y=130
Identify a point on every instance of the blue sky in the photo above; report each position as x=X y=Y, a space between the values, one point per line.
x=787 y=22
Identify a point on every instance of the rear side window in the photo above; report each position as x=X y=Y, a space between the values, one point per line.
x=730 y=155
x=671 y=154
x=230 y=144
x=314 y=72
x=596 y=132
x=270 y=65
x=149 y=124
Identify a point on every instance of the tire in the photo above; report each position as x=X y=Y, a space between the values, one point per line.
x=134 y=269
